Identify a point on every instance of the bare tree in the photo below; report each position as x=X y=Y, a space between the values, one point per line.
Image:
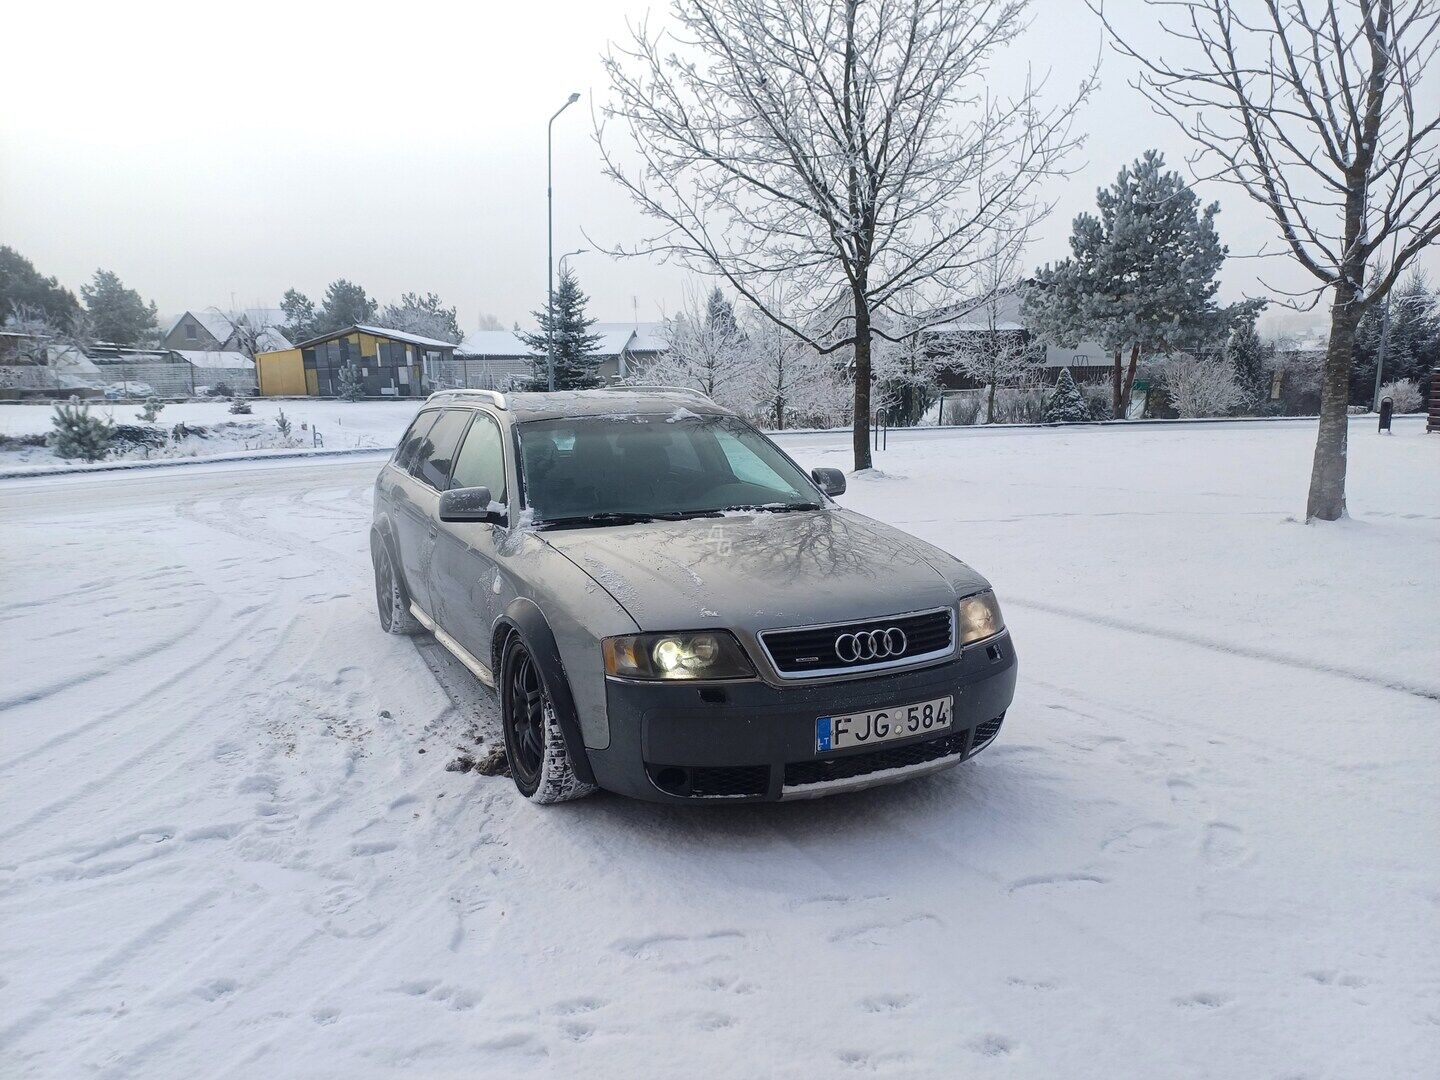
x=850 y=148
x=1200 y=384
x=707 y=353
x=994 y=351
x=254 y=331
x=1311 y=107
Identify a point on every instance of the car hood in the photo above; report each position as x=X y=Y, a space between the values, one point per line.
x=751 y=572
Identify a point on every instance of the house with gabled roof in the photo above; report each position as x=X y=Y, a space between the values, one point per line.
x=247 y=330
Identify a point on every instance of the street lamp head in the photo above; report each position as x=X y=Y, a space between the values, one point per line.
x=573 y=99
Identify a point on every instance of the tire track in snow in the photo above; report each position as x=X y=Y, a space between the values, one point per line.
x=1251 y=652
x=112 y=963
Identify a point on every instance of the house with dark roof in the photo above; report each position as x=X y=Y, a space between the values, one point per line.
x=388 y=363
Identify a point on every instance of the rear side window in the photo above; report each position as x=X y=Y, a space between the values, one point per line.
x=432 y=464
x=410 y=444
x=481 y=462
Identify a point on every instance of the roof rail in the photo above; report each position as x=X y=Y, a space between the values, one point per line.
x=688 y=391
x=491 y=397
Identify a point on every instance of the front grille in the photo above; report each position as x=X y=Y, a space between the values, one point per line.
x=987 y=731
x=730 y=780
x=811 y=650
x=897 y=757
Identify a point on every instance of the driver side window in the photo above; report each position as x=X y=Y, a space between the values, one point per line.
x=481 y=461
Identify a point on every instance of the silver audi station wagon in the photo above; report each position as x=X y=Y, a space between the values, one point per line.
x=670 y=608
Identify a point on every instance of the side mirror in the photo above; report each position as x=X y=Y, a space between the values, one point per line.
x=830 y=481
x=471 y=504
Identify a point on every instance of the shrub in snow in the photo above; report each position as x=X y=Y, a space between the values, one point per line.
x=283 y=423
x=239 y=407
x=221 y=389
x=150 y=412
x=1404 y=393
x=350 y=386
x=78 y=434
x=1201 y=385
x=1067 y=404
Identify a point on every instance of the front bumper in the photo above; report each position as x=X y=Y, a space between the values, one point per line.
x=751 y=741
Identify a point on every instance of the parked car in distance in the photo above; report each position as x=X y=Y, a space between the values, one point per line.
x=670 y=608
x=122 y=391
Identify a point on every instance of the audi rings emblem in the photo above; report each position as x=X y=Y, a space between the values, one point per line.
x=871 y=645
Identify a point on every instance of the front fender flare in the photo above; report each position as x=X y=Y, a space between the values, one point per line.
x=526 y=618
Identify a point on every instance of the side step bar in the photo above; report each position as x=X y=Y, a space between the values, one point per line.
x=475 y=667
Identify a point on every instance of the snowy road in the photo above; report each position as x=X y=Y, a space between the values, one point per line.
x=1205 y=844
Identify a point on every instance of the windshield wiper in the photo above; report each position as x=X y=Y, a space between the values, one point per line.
x=775 y=508
x=582 y=520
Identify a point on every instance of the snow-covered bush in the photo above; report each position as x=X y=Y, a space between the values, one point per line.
x=1019 y=405
x=350 y=386
x=80 y=434
x=1405 y=394
x=1067 y=404
x=283 y=423
x=150 y=412
x=240 y=407
x=1201 y=385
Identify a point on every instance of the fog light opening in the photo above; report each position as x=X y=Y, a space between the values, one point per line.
x=673 y=780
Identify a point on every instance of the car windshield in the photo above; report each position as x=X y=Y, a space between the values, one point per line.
x=615 y=469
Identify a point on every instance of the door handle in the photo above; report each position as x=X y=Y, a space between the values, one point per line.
x=434 y=530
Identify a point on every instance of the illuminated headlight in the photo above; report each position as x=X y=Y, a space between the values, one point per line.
x=980 y=618
x=710 y=654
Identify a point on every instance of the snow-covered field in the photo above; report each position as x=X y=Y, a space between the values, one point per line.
x=341 y=424
x=1204 y=846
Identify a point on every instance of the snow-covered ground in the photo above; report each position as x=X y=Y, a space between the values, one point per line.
x=341 y=424
x=1204 y=846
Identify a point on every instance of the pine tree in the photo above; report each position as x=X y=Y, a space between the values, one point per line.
x=349 y=385
x=1067 y=404
x=1247 y=354
x=299 y=312
x=345 y=304
x=577 y=367
x=24 y=287
x=79 y=434
x=720 y=315
x=115 y=313
x=150 y=412
x=1142 y=278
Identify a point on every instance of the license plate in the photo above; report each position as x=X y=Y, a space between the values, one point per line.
x=881 y=725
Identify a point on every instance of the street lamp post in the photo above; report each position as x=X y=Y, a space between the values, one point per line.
x=550 y=243
x=577 y=251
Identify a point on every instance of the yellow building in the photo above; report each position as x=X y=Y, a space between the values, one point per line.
x=388 y=363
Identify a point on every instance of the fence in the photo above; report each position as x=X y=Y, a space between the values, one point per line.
x=464 y=374
x=165 y=380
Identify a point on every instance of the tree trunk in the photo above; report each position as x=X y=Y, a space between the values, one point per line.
x=1115 y=406
x=1129 y=382
x=861 y=429
x=990 y=404
x=1327 y=474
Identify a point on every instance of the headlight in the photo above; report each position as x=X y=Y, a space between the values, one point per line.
x=708 y=654
x=980 y=618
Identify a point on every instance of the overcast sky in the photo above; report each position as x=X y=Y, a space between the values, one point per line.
x=209 y=151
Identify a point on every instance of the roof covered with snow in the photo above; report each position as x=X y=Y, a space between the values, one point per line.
x=221 y=324
x=493 y=343
x=377 y=331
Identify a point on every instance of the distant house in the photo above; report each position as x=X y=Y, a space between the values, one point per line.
x=389 y=363
x=213 y=330
x=627 y=345
x=500 y=359
x=1087 y=360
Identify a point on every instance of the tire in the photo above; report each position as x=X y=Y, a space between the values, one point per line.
x=390 y=599
x=539 y=758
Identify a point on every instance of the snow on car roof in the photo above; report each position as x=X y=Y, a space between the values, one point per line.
x=613 y=402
